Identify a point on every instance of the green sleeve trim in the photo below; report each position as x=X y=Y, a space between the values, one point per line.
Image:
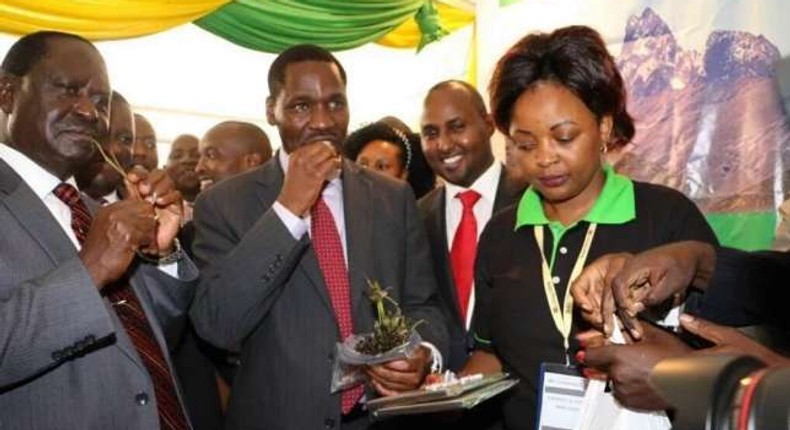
x=479 y=339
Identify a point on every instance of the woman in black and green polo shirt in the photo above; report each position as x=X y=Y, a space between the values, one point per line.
x=561 y=101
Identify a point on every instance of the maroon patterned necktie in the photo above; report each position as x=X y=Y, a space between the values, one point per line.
x=329 y=250
x=463 y=251
x=132 y=316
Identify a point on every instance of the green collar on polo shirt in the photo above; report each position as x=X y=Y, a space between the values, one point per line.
x=615 y=205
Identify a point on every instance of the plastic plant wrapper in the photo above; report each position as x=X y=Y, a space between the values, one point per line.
x=392 y=338
x=347 y=369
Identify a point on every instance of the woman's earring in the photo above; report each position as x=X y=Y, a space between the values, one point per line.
x=604 y=148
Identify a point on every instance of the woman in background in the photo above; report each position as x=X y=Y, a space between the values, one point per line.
x=384 y=146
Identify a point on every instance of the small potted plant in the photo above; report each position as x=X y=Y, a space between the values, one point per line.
x=393 y=338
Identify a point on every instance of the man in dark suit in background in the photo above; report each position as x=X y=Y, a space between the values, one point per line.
x=144 y=152
x=230 y=148
x=181 y=163
x=99 y=179
x=286 y=251
x=227 y=149
x=456 y=134
x=83 y=322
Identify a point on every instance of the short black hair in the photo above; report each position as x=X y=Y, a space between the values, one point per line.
x=477 y=100
x=28 y=50
x=421 y=177
x=298 y=54
x=574 y=57
x=360 y=138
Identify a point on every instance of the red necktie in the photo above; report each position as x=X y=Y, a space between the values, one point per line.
x=329 y=250
x=464 y=249
x=132 y=316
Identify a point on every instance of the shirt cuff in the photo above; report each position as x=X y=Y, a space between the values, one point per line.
x=437 y=361
x=170 y=268
x=295 y=225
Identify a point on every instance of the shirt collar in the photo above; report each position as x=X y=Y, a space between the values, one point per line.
x=486 y=185
x=615 y=205
x=41 y=181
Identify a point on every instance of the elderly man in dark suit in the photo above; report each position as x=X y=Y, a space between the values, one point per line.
x=456 y=134
x=83 y=322
x=287 y=250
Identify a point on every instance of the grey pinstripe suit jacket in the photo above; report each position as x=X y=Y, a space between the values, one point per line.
x=263 y=290
x=65 y=360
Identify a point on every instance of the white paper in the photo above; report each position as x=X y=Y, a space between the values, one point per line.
x=601 y=411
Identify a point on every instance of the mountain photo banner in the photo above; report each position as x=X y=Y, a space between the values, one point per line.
x=705 y=85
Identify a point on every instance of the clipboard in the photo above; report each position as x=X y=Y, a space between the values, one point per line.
x=458 y=396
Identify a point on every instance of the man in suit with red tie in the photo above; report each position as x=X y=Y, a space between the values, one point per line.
x=456 y=135
x=456 y=132
x=286 y=251
x=83 y=321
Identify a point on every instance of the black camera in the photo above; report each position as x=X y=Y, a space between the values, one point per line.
x=724 y=392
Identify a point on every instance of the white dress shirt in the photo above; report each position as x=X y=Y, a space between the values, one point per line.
x=43 y=184
x=333 y=197
x=486 y=185
x=111 y=198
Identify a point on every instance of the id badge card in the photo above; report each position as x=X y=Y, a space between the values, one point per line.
x=560 y=396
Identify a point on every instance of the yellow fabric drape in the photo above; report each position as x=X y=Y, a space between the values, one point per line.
x=101 y=19
x=471 y=64
x=407 y=35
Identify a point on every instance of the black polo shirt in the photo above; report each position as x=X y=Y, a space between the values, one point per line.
x=512 y=318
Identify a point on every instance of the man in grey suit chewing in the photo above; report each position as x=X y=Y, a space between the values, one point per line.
x=82 y=321
x=286 y=250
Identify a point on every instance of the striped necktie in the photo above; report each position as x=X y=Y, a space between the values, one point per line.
x=131 y=314
x=329 y=250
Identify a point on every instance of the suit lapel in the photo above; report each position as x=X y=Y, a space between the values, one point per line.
x=20 y=200
x=357 y=198
x=271 y=182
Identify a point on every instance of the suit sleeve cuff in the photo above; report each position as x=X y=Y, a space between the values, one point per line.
x=295 y=225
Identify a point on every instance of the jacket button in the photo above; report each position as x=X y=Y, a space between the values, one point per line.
x=141 y=399
x=329 y=423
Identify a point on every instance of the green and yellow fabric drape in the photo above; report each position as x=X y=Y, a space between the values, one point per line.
x=273 y=25
x=263 y=25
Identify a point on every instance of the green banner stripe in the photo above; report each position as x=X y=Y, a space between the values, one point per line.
x=744 y=230
x=272 y=26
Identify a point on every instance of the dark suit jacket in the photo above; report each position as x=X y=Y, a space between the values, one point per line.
x=263 y=290
x=65 y=359
x=432 y=209
x=749 y=290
